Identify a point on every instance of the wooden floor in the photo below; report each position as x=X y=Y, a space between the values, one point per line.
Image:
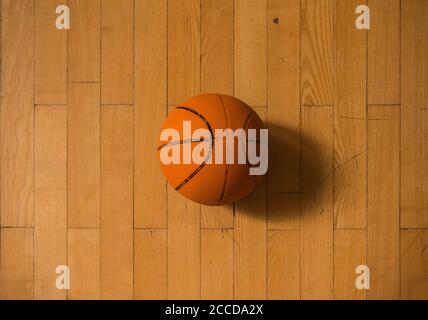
x=80 y=184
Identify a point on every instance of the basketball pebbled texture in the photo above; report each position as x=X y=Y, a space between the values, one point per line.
x=210 y=184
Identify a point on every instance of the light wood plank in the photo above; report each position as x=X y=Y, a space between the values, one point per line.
x=84 y=41
x=84 y=155
x=150 y=264
x=116 y=202
x=17 y=113
x=414 y=264
x=317 y=52
x=16 y=273
x=284 y=113
x=183 y=50
x=50 y=200
x=317 y=204
x=384 y=52
x=251 y=51
x=283 y=265
x=50 y=54
x=216 y=264
x=250 y=246
x=383 y=202
x=349 y=253
x=414 y=114
x=117 y=44
x=184 y=236
x=217 y=46
x=217 y=77
x=150 y=111
x=84 y=264
x=349 y=119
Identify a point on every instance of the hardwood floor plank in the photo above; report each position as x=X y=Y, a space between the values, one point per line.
x=84 y=155
x=250 y=248
x=50 y=199
x=17 y=114
x=349 y=119
x=349 y=253
x=283 y=113
x=283 y=281
x=84 y=41
x=384 y=52
x=216 y=264
x=414 y=266
x=184 y=68
x=317 y=204
x=184 y=252
x=414 y=114
x=217 y=46
x=150 y=264
x=16 y=273
x=317 y=52
x=84 y=264
x=251 y=51
x=150 y=111
x=50 y=55
x=116 y=202
x=383 y=234
x=117 y=57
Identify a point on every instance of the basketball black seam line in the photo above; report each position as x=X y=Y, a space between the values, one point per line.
x=226 y=173
x=185 y=181
x=174 y=143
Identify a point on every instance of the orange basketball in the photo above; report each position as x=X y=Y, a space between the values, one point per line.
x=211 y=179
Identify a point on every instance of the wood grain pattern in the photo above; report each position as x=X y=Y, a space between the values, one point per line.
x=349 y=253
x=17 y=114
x=251 y=51
x=317 y=205
x=217 y=46
x=283 y=113
x=184 y=252
x=116 y=202
x=50 y=55
x=317 y=52
x=150 y=111
x=50 y=199
x=250 y=248
x=117 y=43
x=184 y=48
x=150 y=264
x=84 y=263
x=84 y=41
x=216 y=264
x=283 y=265
x=383 y=234
x=414 y=264
x=84 y=155
x=16 y=273
x=414 y=114
x=349 y=119
x=384 y=52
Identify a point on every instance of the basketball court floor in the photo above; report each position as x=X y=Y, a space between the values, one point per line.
x=81 y=190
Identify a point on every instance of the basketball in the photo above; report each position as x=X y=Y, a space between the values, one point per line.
x=209 y=147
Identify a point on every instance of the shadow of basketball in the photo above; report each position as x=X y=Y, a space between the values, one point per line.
x=295 y=179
